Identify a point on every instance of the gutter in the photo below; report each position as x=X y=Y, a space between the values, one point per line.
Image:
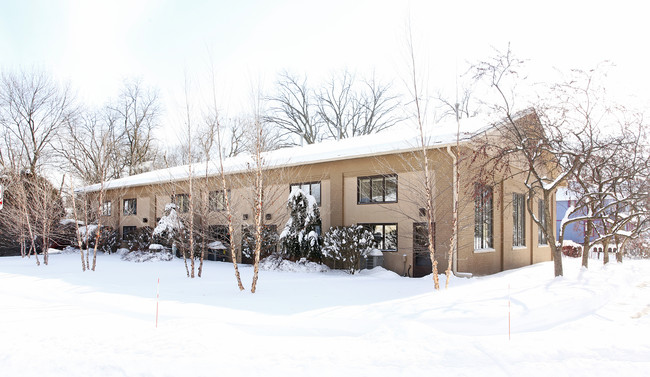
x=454 y=263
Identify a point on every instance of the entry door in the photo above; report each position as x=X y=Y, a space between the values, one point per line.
x=421 y=257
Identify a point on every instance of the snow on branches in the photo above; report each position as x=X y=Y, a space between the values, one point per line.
x=348 y=245
x=300 y=237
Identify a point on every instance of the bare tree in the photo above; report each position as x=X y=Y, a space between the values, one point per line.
x=522 y=139
x=189 y=126
x=258 y=192
x=73 y=196
x=558 y=140
x=464 y=106
x=426 y=168
x=33 y=108
x=613 y=188
x=91 y=147
x=343 y=107
x=137 y=112
x=214 y=129
x=348 y=110
x=234 y=136
x=31 y=213
x=293 y=109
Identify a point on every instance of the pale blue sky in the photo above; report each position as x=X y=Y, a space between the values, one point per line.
x=95 y=44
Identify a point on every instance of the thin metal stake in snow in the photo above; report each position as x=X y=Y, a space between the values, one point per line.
x=509 y=312
x=157 y=297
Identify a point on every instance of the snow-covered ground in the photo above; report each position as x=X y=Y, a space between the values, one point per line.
x=58 y=321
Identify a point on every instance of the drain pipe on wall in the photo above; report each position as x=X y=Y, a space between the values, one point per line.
x=454 y=263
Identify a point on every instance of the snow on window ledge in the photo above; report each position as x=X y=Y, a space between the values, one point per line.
x=489 y=250
x=523 y=247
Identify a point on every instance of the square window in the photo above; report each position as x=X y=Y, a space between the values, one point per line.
x=127 y=232
x=385 y=235
x=130 y=207
x=217 y=200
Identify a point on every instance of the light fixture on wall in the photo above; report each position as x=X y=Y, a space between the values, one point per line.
x=245 y=217
x=268 y=216
x=422 y=212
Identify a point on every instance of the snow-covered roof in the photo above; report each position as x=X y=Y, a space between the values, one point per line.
x=393 y=140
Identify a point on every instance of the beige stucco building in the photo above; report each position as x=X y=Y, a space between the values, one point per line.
x=375 y=180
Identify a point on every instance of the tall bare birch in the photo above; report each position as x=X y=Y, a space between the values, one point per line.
x=258 y=190
x=214 y=120
x=428 y=179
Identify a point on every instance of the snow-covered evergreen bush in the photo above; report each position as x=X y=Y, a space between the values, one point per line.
x=300 y=238
x=140 y=239
x=169 y=228
x=109 y=238
x=269 y=242
x=347 y=246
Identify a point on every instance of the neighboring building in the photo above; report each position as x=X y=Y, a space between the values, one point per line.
x=575 y=232
x=373 y=180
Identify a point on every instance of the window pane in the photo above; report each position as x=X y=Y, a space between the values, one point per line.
x=377 y=189
x=221 y=201
x=518 y=220
x=212 y=200
x=305 y=188
x=391 y=189
x=542 y=218
x=488 y=219
x=390 y=237
x=315 y=191
x=364 y=190
x=378 y=232
x=106 y=209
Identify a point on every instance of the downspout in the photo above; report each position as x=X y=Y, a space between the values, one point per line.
x=454 y=263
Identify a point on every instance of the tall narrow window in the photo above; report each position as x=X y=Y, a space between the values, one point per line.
x=518 y=220
x=483 y=217
x=542 y=218
x=106 y=208
x=130 y=207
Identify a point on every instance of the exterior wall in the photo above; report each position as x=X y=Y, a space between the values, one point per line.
x=503 y=255
x=145 y=209
x=339 y=206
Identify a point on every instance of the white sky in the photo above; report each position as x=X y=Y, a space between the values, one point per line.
x=96 y=44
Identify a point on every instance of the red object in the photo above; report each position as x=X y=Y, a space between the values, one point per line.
x=157 y=297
